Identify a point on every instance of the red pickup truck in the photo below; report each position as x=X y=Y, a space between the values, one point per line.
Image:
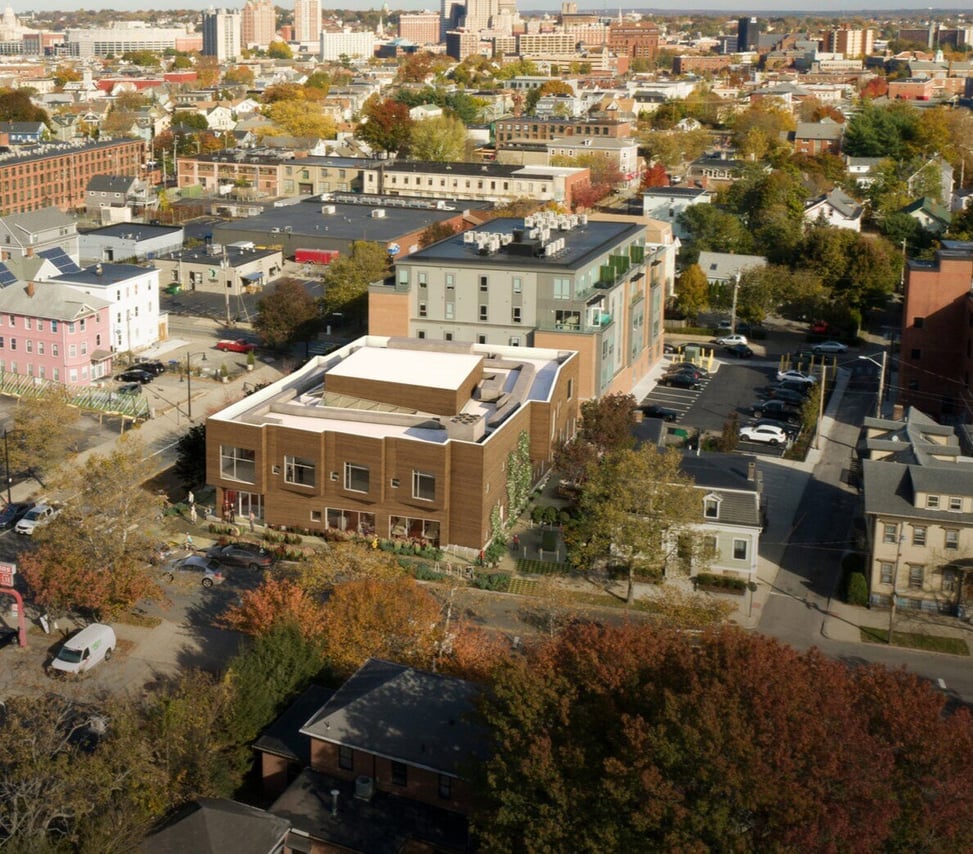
x=239 y=345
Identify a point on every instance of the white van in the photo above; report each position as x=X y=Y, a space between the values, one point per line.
x=84 y=650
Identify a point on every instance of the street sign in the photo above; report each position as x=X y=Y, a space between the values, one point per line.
x=7 y=573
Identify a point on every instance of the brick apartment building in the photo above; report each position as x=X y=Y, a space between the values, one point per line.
x=534 y=129
x=936 y=357
x=568 y=283
x=401 y=439
x=58 y=173
x=637 y=39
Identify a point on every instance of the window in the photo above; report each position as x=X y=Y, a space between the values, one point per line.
x=422 y=280
x=949 y=580
x=480 y=339
x=450 y=282
x=423 y=486
x=711 y=507
x=483 y=312
x=445 y=787
x=299 y=471
x=951 y=538
x=40 y=348
x=885 y=572
x=27 y=323
x=562 y=288
x=53 y=326
x=53 y=349
x=918 y=535
x=484 y=286
x=403 y=277
x=516 y=314
x=422 y=309
x=346 y=758
x=916 y=573
x=421 y=333
x=518 y=285
x=890 y=533
x=450 y=310
x=955 y=503
x=400 y=774
x=932 y=501
x=238 y=464
x=447 y=336
x=570 y=389
x=514 y=340
x=740 y=550
x=356 y=478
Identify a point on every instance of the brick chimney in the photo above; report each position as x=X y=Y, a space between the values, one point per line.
x=30 y=289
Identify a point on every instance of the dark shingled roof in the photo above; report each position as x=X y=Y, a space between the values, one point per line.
x=218 y=826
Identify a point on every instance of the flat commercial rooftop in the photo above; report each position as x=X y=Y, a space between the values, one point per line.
x=408 y=367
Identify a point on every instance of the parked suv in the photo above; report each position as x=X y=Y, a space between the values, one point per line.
x=35 y=517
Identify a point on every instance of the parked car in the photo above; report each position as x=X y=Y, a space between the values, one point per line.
x=242 y=554
x=738 y=351
x=129 y=388
x=13 y=513
x=688 y=368
x=786 y=394
x=829 y=347
x=78 y=654
x=209 y=570
x=797 y=377
x=820 y=327
x=681 y=380
x=238 y=345
x=39 y=515
x=803 y=389
x=777 y=409
x=135 y=375
x=154 y=368
x=653 y=410
x=792 y=430
x=764 y=433
x=670 y=349
x=727 y=340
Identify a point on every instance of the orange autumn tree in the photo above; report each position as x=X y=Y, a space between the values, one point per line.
x=396 y=619
x=276 y=601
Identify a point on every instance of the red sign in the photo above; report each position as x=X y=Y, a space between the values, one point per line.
x=7 y=573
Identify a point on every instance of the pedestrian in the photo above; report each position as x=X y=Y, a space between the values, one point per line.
x=480 y=558
x=191 y=498
x=516 y=543
x=252 y=517
x=192 y=513
x=189 y=543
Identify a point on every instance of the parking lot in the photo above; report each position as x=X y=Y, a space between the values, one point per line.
x=732 y=387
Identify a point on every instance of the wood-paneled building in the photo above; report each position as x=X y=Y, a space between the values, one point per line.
x=395 y=438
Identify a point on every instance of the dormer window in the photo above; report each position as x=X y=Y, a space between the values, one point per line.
x=711 y=507
x=932 y=501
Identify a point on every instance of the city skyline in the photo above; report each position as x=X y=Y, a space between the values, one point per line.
x=764 y=7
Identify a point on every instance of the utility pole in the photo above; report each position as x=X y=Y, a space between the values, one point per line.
x=733 y=309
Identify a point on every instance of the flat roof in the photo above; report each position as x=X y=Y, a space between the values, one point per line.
x=581 y=245
x=132 y=230
x=348 y=222
x=302 y=401
x=408 y=367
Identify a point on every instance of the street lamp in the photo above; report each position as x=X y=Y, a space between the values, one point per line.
x=733 y=309
x=881 y=379
x=189 y=382
x=6 y=465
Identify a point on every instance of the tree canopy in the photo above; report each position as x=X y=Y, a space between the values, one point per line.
x=385 y=125
x=441 y=139
x=287 y=314
x=636 y=739
x=348 y=277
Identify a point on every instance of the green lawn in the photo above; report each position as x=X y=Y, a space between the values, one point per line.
x=912 y=640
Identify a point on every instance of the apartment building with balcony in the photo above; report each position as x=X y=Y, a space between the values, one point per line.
x=594 y=285
x=410 y=440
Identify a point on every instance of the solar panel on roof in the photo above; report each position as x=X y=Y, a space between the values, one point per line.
x=60 y=259
x=6 y=277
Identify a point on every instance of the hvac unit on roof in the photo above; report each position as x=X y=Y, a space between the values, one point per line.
x=327 y=209
x=582 y=219
x=469 y=237
x=378 y=213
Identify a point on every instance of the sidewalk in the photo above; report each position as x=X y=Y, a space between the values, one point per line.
x=844 y=623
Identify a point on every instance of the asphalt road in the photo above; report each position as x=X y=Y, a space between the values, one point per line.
x=810 y=568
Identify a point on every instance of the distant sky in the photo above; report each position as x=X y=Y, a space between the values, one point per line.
x=666 y=7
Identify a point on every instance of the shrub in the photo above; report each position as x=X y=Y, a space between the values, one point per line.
x=496 y=581
x=857 y=591
x=723 y=582
x=422 y=572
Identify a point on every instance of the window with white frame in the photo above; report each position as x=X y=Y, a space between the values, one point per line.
x=890 y=533
x=516 y=314
x=955 y=503
x=916 y=575
x=356 y=478
x=932 y=501
x=299 y=471
x=918 y=535
x=483 y=312
x=885 y=570
x=518 y=284
x=711 y=507
x=562 y=288
x=740 y=549
x=423 y=486
x=951 y=538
